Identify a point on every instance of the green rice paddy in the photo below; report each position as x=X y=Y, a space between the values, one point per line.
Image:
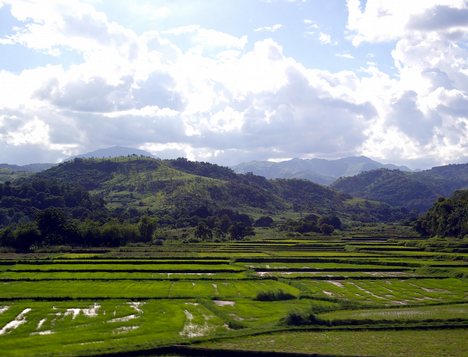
x=141 y=298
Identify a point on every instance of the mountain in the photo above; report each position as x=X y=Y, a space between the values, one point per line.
x=174 y=190
x=114 y=151
x=26 y=168
x=412 y=190
x=316 y=170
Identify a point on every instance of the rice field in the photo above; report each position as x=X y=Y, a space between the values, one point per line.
x=209 y=294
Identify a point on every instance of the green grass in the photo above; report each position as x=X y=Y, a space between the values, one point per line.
x=208 y=290
x=79 y=289
x=438 y=312
x=417 y=343
x=388 y=292
x=114 y=326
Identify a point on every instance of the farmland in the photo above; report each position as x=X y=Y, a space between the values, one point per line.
x=311 y=294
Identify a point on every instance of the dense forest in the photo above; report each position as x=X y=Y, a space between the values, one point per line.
x=412 y=190
x=111 y=202
x=447 y=217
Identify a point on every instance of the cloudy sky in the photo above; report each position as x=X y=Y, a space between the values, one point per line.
x=228 y=81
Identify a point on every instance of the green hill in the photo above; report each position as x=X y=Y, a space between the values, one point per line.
x=129 y=187
x=448 y=217
x=412 y=190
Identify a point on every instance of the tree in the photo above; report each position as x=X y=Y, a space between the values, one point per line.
x=326 y=229
x=239 y=231
x=264 y=221
x=50 y=221
x=331 y=220
x=203 y=232
x=147 y=227
x=27 y=236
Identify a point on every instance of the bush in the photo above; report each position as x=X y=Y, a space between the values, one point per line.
x=264 y=221
x=275 y=295
x=299 y=318
x=326 y=229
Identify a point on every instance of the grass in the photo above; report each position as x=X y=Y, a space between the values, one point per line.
x=194 y=292
x=417 y=343
x=83 y=289
x=388 y=292
x=444 y=312
x=115 y=326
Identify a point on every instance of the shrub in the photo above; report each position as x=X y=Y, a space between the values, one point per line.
x=274 y=295
x=299 y=318
x=326 y=229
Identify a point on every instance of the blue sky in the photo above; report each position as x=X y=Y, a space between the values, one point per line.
x=230 y=81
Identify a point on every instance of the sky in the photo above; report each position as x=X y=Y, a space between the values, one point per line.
x=229 y=81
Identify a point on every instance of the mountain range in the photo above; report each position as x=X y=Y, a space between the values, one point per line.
x=320 y=171
x=412 y=190
x=175 y=190
x=358 y=177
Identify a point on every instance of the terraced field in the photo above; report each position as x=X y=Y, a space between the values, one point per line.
x=302 y=295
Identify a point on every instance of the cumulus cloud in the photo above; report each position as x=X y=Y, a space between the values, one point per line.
x=209 y=95
x=440 y=18
x=430 y=60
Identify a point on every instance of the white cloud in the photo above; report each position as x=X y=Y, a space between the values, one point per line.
x=210 y=95
x=311 y=24
x=272 y=28
x=52 y=26
x=390 y=20
x=345 y=55
x=414 y=119
x=208 y=38
x=324 y=38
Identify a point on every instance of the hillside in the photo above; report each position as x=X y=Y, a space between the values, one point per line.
x=448 y=217
x=320 y=171
x=130 y=187
x=412 y=190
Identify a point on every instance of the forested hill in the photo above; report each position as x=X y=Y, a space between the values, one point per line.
x=131 y=187
x=413 y=190
x=448 y=217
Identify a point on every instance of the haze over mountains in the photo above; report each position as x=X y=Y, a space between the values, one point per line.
x=358 y=177
x=320 y=171
x=113 y=151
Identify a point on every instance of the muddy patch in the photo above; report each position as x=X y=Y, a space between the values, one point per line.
x=215 y=287
x=124 y=318
x=336 y=283
x=89 y=312
x=124 y=329
x=42 y=333
x=367 y=291
x=40 y=323
x=17 y=322
x=224 y=303
x=136 y=305
x=192 y=329
x=434 y=290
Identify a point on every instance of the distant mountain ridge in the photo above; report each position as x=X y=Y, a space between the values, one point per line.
x=320 y=171
x=30 y=168
x=113 y=151
x=412 y=190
